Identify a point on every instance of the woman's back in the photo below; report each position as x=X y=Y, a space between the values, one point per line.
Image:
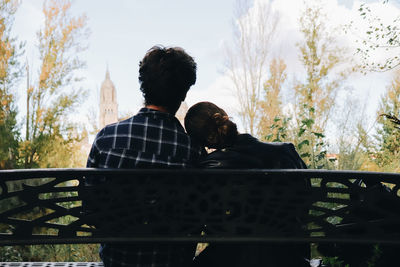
x=249 y=152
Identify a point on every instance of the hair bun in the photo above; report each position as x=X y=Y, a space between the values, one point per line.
x=225 y=128
x=210 y=125
x=220 y=119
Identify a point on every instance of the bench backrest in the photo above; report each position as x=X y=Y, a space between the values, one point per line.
x=56 y=206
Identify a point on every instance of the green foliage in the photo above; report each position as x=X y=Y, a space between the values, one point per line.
x=373 y=259
x=333 y=262
x=9 y=136
x=310 y=143
x=323 y=62
x=375 y=256
x=9 y=253
x=70 y=252
x=388 y=139
x=61 y=253
x=315 y=97
x=380 y=37
x=10 y=73
x=51 y=253
x=325 y=66
x=51 y=141
x=388 y=135
x=52 y=98
x=279 y=130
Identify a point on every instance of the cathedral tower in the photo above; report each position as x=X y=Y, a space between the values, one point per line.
x=108 y=102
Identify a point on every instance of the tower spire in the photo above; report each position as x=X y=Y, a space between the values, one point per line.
x=107 y=72
x=108 y=101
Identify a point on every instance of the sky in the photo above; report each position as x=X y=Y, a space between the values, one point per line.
x=123 y=30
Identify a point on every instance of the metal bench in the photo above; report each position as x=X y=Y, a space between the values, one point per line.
x=56 y=206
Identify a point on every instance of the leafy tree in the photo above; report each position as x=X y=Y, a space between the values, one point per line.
x=10 y=73
x=52 y=98
x=311 y=143
x=247 y=58
x=322 y=59
x=323 y=62
x=271 y=120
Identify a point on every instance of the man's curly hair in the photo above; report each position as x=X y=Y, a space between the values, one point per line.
x=165 y=76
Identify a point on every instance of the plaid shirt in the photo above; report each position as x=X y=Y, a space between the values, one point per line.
x=149 y=139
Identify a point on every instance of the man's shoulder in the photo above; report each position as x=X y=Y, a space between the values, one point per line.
x=117 y=128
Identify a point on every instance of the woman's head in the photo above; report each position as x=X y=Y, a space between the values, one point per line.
x=210 y=125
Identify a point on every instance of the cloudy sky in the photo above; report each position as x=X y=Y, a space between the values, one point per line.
x=123 y=30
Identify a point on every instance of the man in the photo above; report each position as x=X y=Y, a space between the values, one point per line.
x=150 y=139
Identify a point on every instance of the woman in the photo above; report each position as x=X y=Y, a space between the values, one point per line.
x=209 y=125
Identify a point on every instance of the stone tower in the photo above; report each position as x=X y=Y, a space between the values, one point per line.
x=108 y=102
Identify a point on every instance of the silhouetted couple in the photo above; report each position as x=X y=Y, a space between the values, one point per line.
x=155 y=138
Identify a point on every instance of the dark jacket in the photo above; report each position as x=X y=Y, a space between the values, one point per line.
x=249 y=152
